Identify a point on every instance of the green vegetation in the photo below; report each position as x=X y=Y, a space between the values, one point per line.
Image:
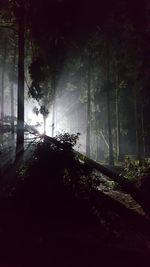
x=134 y=169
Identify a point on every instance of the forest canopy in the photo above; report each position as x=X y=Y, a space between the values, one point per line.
x=85 y=65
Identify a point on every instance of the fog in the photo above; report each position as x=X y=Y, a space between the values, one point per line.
x=91 y=82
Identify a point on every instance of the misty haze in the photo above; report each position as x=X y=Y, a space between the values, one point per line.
x=74 y=133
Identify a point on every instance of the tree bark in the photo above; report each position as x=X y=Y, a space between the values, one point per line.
x=12 y=91
x=3 y=80
x=143 y=131
x=138 y=125
x=54 y=104
x=53 y=118
x=88 y=119
x=118 y=143
x=20 y=100
x=44 y=118
x=111 y=157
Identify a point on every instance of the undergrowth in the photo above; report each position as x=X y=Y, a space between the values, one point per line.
x=58 y=167
x=138 y=172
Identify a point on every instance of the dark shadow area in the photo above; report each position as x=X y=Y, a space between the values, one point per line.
x=48 y=220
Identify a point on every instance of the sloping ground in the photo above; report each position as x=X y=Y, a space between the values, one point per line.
x=109 y=188
x=55 y=218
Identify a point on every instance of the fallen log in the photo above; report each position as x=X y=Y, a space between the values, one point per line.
x=104 y=202
x=125 y=184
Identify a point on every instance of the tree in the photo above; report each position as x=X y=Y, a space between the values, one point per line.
x=40 y=88
x=12 y=80
x=88 y=122
x=108 y=87
x=20 y=113
x=3 y=76
x=14 y=16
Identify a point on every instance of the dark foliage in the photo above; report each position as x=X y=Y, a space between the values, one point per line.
x=54 y=176
x=50 y=213
x=66 y=138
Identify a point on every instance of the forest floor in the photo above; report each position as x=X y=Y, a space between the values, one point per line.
x=44 y=223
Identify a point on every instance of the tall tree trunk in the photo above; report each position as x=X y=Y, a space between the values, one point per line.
x=111 y=157
x=56 y=118
x=12 y=91
x=54 y=104
x=3 y=80
x=143 y=130
x=88 y=119
x=137 y=124
x=20 y=100
x=53 y=118
x=118 y=143
x=97 y=147
x=44 y=118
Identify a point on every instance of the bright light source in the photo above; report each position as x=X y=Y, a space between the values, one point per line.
x=38 y=123
x=40 y=129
